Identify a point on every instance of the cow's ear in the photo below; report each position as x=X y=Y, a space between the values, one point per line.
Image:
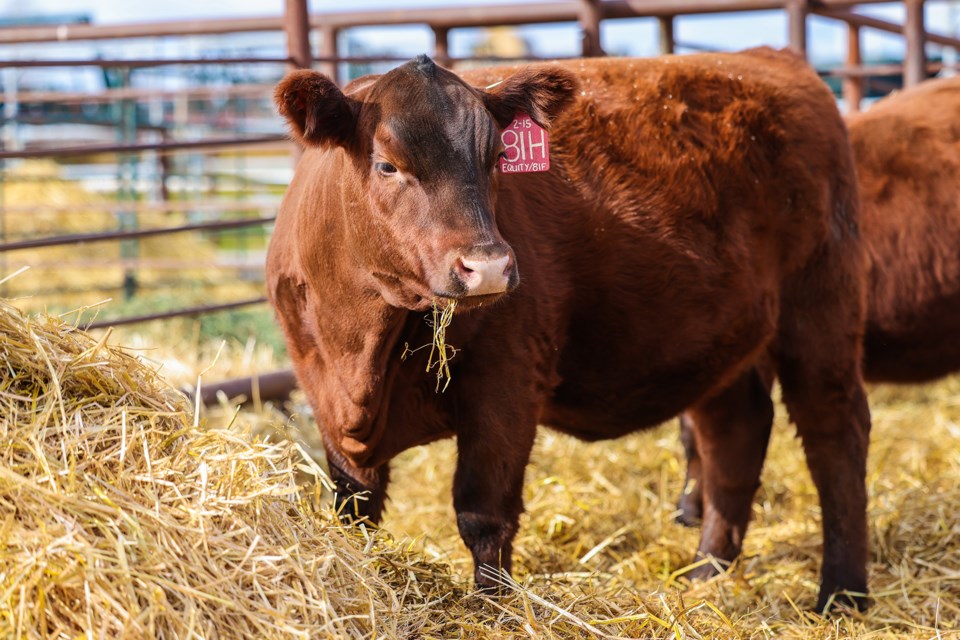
x=540 y=92
x=318 y=112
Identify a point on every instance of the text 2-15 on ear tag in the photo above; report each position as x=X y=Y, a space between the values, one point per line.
x=526 y=146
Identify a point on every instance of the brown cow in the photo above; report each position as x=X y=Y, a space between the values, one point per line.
x=720 y=182
x=907 y=150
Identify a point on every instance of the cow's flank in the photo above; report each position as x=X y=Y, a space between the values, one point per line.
x=698 y=211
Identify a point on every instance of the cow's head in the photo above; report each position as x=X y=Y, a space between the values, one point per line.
x=422 y=150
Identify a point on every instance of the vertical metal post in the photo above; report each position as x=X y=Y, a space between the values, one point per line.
x=853 y=85
x=11 y=105
x=10 y=142
x=915 y=61
x=667 y=43
x=4 y=287
x=328 y=49
x=590 y=16
x=441 y=45
x=127 y=188
x=179 y=164
x=950 y=53
x=797 y=25
x=297 y=25
x=164 y=167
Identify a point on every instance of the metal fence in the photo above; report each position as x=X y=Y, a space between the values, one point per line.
x=166 y=139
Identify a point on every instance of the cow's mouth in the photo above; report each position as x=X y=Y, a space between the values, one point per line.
x=415 y=297
x=467 y=303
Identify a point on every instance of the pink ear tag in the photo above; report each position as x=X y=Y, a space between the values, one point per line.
x=526 y=146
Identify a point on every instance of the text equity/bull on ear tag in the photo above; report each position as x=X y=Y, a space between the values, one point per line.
x=526 y=146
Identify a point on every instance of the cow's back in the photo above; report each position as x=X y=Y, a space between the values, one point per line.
x=908 y=158
x=680 y=146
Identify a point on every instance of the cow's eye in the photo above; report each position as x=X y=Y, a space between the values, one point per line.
x=385 y=168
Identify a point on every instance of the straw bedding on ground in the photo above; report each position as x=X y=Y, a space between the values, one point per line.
x=121 y=517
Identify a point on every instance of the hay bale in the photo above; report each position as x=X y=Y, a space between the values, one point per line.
x=121 y=518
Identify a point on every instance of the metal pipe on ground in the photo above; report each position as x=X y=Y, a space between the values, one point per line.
x=268 y=387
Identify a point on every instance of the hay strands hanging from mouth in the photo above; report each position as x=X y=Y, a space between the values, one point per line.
x=441 y=353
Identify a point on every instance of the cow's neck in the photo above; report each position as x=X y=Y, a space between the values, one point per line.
x=356 y=329
x=358 y=334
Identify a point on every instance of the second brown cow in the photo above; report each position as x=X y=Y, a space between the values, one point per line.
x=697 y=211
x=907 y=150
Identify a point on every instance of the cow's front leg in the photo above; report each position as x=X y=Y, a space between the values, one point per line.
x=487 y=493
x=358 y=492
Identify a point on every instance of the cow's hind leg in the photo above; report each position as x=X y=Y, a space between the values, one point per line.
x=690 y=504
x=731 y=429
x=819 y=366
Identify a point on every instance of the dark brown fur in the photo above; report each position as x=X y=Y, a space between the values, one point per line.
x=712 y=182
x=907 y=150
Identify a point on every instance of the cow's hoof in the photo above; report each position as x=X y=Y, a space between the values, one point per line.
x=491 y=590
x=830 y=602
x=689 y=512
x=709 y=569
x=356 y=508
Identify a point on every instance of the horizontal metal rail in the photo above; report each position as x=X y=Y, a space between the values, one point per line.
x=80 y=238
x=859 y=20
x=112 y=95
x=153 y=264
x=446 y=17
x=136 y=63
x=533 y=13
x=92 y=149
x=162 y=285
x=73 y=32
x=96 y=62
x=201 y=206
x=177 y=313
x=877 y=70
